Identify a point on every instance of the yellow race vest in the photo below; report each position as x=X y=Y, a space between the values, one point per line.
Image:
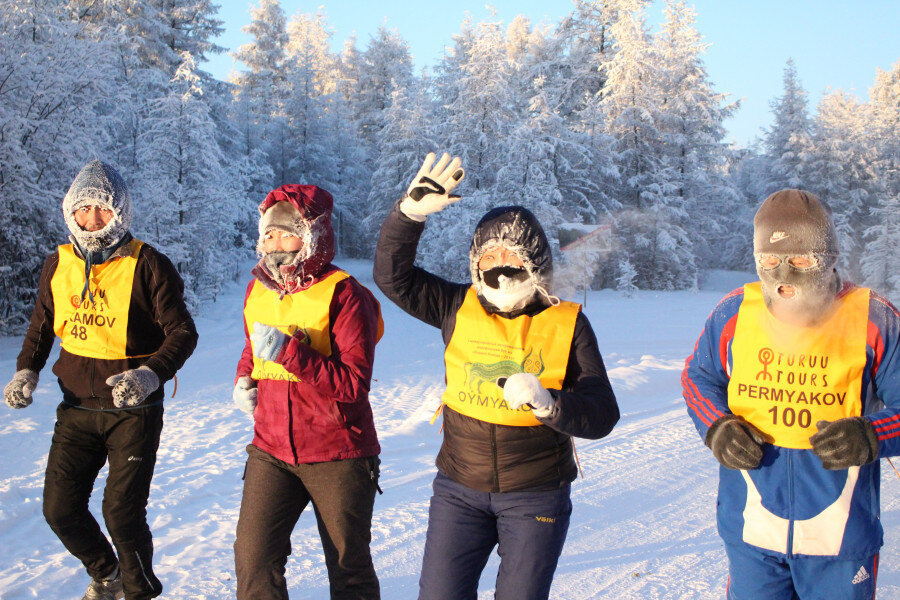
x=306 y=311
x=787 y=378
x=485 y=348
x=98 y=329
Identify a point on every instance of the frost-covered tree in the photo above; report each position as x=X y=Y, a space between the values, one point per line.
x=882 y=252
x=838 y=171
x=386 y=66
x=650 y=229
x=403 y=142
x=477 y=116
x=260 y=88
x=186 y=214
x=690 y=120
x=788 y=142
x=52 y=75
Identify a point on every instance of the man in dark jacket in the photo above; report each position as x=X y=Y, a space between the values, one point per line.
x=117 y=306
x=524 y=374
x=304 y=376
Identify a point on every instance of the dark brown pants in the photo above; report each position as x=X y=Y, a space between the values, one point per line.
x=275 y=493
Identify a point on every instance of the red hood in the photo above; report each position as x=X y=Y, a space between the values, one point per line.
x=314 y=205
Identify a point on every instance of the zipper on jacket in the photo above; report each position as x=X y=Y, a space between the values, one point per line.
x=494 y=458
x=290 y=424
x=790 y=540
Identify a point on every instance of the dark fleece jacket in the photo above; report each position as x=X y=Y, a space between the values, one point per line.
x=485 y=456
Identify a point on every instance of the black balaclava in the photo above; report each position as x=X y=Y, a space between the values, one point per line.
x=793 y=223
x=508 y=288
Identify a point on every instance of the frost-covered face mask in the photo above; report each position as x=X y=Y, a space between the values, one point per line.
x=798 y=289
x=507 y=287
x=278 y=259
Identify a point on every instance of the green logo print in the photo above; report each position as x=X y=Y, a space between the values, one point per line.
x=477 y=374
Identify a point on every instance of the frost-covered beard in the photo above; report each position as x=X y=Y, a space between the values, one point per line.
x=97 y=241
x=800 y=297
x=274 y=262
x=507 y=287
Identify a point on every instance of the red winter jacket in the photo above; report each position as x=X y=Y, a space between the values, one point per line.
x=326 y=415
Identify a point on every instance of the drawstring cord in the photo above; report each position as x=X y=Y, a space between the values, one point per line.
x=554 y=300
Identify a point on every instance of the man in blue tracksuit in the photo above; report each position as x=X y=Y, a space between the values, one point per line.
x=794 y=385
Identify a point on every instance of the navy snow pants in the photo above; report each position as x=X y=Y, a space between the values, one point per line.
x=464 y=525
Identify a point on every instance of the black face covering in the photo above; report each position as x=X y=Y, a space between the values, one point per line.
x=491 y=277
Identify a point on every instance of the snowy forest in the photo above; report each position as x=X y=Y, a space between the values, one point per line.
x=601 y=120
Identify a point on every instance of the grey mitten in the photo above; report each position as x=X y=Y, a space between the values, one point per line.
x=244 y=394
x=17 y=392
x=845 y=443
x=132 y=387
x=735 y=443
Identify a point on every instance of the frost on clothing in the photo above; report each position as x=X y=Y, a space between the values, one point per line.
x=486 y=456
x=305 y=211
x=519 y=232
x=160 y=332
x=786 y=499
x=98 y=183
x=312 y=401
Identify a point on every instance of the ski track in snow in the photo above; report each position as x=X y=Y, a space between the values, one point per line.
x=643 y=523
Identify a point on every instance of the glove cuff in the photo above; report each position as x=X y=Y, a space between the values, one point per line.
x=408 y=208
x=871 y=438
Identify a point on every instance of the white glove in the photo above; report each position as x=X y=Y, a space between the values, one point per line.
x=430 y=189
x=244 y=395
x=524 y=388
x=132 y=387
x=17 y=392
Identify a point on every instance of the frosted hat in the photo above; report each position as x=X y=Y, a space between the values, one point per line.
x=98 y=184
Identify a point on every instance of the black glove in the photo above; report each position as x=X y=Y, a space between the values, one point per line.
x=844 y=443
x=735 y=443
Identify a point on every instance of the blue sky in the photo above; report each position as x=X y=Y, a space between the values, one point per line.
x=835 y=44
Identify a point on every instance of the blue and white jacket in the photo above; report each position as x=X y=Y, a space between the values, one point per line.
x=790 y=505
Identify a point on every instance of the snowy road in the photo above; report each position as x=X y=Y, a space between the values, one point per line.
x=643 y=525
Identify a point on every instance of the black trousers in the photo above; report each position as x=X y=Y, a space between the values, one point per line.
x=275 y=493
x=82 y=442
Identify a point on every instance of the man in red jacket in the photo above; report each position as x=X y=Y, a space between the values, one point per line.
x=304 y=376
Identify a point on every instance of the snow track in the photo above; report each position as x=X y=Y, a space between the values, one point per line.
x=643 y=524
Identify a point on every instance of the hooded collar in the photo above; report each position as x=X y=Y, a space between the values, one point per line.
x=311 y=221
x=517 y=229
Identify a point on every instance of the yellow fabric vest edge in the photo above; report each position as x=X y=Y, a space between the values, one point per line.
x=306 y=311
x=785 y=379
x=99 y=329
x=485 y=347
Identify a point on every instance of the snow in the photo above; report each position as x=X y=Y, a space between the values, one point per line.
x=643 y=525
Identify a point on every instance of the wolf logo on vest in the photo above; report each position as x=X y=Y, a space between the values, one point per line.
x=478 y=374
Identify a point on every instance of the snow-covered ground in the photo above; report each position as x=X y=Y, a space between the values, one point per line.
x=643 y=525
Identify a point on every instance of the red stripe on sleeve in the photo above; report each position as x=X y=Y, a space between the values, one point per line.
x=886 y=420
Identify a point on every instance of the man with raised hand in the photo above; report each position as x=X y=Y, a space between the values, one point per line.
x=117 y=305
x=794 y=385
x=524 y=375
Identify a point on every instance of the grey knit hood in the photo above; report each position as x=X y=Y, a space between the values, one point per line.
x=98 y=183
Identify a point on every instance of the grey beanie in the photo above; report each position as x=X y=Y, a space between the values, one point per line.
x=794 y=222
x=98 y=183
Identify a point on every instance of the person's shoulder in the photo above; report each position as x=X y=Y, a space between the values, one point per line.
x=881 y=308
